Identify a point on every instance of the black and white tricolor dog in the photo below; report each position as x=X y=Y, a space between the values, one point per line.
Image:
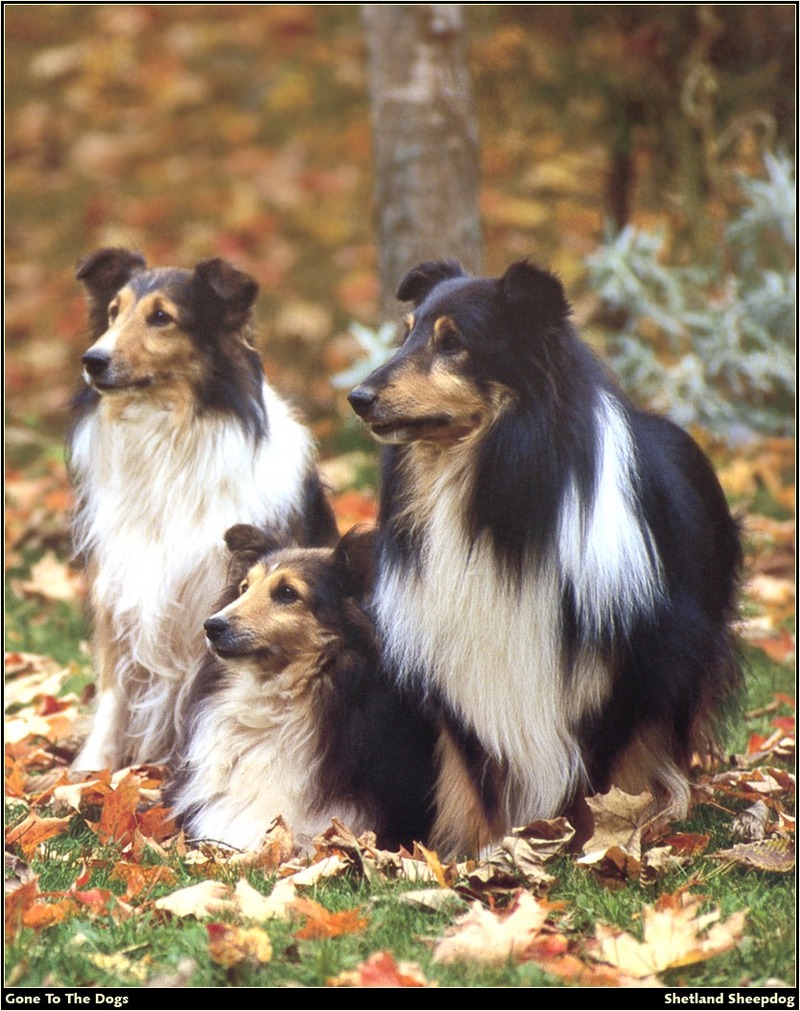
x=292 y=713
x=556 y=569
x=175 y=437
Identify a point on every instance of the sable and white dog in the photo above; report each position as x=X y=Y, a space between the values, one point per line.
x=292 y=713
x=175 y=437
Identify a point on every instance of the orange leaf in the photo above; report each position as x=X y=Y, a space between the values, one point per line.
x=137 y=877
x=118 y=817
x=687 y=843
x=321 y=923
x=381 y=970
x=16 y=903
x=35 y=830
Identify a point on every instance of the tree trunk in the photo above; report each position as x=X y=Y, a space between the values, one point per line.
x=426 y=140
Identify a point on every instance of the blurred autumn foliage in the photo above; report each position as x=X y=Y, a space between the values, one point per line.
x=243 y=131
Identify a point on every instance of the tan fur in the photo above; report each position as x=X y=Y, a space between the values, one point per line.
x=458 y=804
x=429 y=399
x=262 y=623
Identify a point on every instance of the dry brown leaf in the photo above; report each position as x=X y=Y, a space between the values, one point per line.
x=764 y=855
x=381 y=970
x=276 y=847
x=618 y=821
x=751 y=825
x=675 y=933
x=229 y=945
x=481 y=935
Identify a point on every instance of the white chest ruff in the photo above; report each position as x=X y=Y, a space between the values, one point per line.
x=252 y=757
x=155 y=500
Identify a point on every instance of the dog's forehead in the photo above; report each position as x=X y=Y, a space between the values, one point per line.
x=169 y=280
x=306 y=563
x=457 y=297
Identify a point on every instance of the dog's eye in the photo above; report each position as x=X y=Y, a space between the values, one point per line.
x=159 y=318
x=449 y=342
x=113 y=312
x=243 y=587
x=286 y=594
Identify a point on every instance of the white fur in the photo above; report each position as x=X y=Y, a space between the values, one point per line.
x=494 y=648
x=251 y=758
x=156 y=493
x=609 y=554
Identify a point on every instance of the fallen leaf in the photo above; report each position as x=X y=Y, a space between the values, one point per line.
x=322 y=923
x=687 y=843
x=229 y=945
x=33 y=831
x=51 y=579
x=381 y=970
x=208 y=898
x=751 y=824
x=618 y=821
x=674 y=932
x=119 y=964
x=481 y=935
x=775 y=855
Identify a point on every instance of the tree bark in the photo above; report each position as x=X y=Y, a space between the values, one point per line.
x=425 y=138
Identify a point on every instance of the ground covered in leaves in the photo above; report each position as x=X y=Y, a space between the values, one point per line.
x=102 y=890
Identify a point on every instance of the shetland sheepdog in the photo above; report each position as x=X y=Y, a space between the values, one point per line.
x=292 y=714
x=174 y=437
x=557 y=570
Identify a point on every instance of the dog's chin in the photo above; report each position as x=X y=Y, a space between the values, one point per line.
x=441 y=428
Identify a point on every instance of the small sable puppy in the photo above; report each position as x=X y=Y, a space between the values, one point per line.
x=557 y=568
x=175 y=436
x=292 y=714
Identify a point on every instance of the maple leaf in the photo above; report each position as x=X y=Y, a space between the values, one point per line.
x=118 y=815
x=380 y=969
x=481 y=935
x=322 y=923
x=675 y=934
x=229 y=945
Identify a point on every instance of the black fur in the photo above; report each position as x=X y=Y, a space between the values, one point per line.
x=373 y=743
x=671 y=665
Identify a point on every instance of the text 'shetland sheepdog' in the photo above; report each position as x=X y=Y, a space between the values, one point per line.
x=556 y=568
x=175 y=437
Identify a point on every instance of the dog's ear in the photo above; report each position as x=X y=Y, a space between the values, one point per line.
x=231 y=289
x=246 y=538
x=420 y=282
x=523 y=284
x=354 y=559
x=105 y=271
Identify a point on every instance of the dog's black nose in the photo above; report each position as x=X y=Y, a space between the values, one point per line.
x=361 y=399
x=96 y=362
x=215 y=628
